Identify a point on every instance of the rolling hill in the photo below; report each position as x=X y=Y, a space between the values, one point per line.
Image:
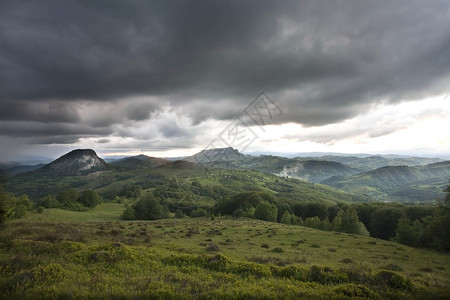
x=140 y=162
x=10 y=171
x=181 y=179
x=309 y=170
x=60 y=253
x=377 y=161
x=400 y=183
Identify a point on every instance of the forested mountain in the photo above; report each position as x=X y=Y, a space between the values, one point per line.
x=179 y=181
x=19 y=169
x=388 y=183
x=140 y=162
x=401 y=183
x=376 y=161
x=310 y=170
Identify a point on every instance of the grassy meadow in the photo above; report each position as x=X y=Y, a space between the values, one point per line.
x=65 y=254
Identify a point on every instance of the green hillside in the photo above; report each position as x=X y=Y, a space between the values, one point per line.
x=374 y=162
x=403 y=179
x=140 y=162
x=412 y=184
x=181 y=180
x=313 y=170
x=208 y=259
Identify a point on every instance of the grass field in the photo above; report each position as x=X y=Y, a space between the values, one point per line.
x=94 y=255
x=105 y=212
x=70 y=254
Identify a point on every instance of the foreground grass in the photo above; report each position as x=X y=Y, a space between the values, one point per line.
x=201 y=258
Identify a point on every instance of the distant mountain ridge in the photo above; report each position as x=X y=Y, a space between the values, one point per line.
x=140 y=161
x=413 y=182
x=390 y=182
x=216 y=155
x=19 y=169
x=311 y=170
x=377 y=161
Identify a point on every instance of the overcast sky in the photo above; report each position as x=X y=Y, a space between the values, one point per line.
x=169 y=78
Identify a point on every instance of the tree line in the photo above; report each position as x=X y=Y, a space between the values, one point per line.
x=16 y=206
x=414 y=225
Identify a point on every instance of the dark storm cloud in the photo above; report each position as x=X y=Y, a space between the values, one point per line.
x=41 y=133
x=39 y=111
x=323 y=62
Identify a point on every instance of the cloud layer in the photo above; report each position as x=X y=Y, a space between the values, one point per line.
x=107 y=69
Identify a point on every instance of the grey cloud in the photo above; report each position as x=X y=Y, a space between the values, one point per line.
x=41 y=133
x=55 y=139
x=103 y=141
x=139 y=111
x=323 y=62
x=51 y=111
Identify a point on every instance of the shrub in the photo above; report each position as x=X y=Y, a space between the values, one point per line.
x=198 y=212
x=20 y=211
x=392 y=267
x=179 y=214
x=391 y=279
x=292 y=272
x=25 y=201
x=326 y=275
x=48 y=202
x=355 y=290
x=250 y=269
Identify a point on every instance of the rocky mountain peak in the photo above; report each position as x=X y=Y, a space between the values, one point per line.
x=217 y=154
x=77 y=162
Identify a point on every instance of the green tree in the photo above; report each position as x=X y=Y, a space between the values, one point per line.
x=198 y=212
x=311 y=209
x=179 y=214
x=313 y=222
x=25 y=201
x=89 y=198
x=348 y=221
x=286 y=218
x=296 y=220
x=67 y=197
x=437 y=228
x=383 y=222
x=149 y=208
x=20 y=211
x=128 y=213
x=48 y=202
x=131 y=191
x=266 y=211
x=408 y=234
x=4 y=208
